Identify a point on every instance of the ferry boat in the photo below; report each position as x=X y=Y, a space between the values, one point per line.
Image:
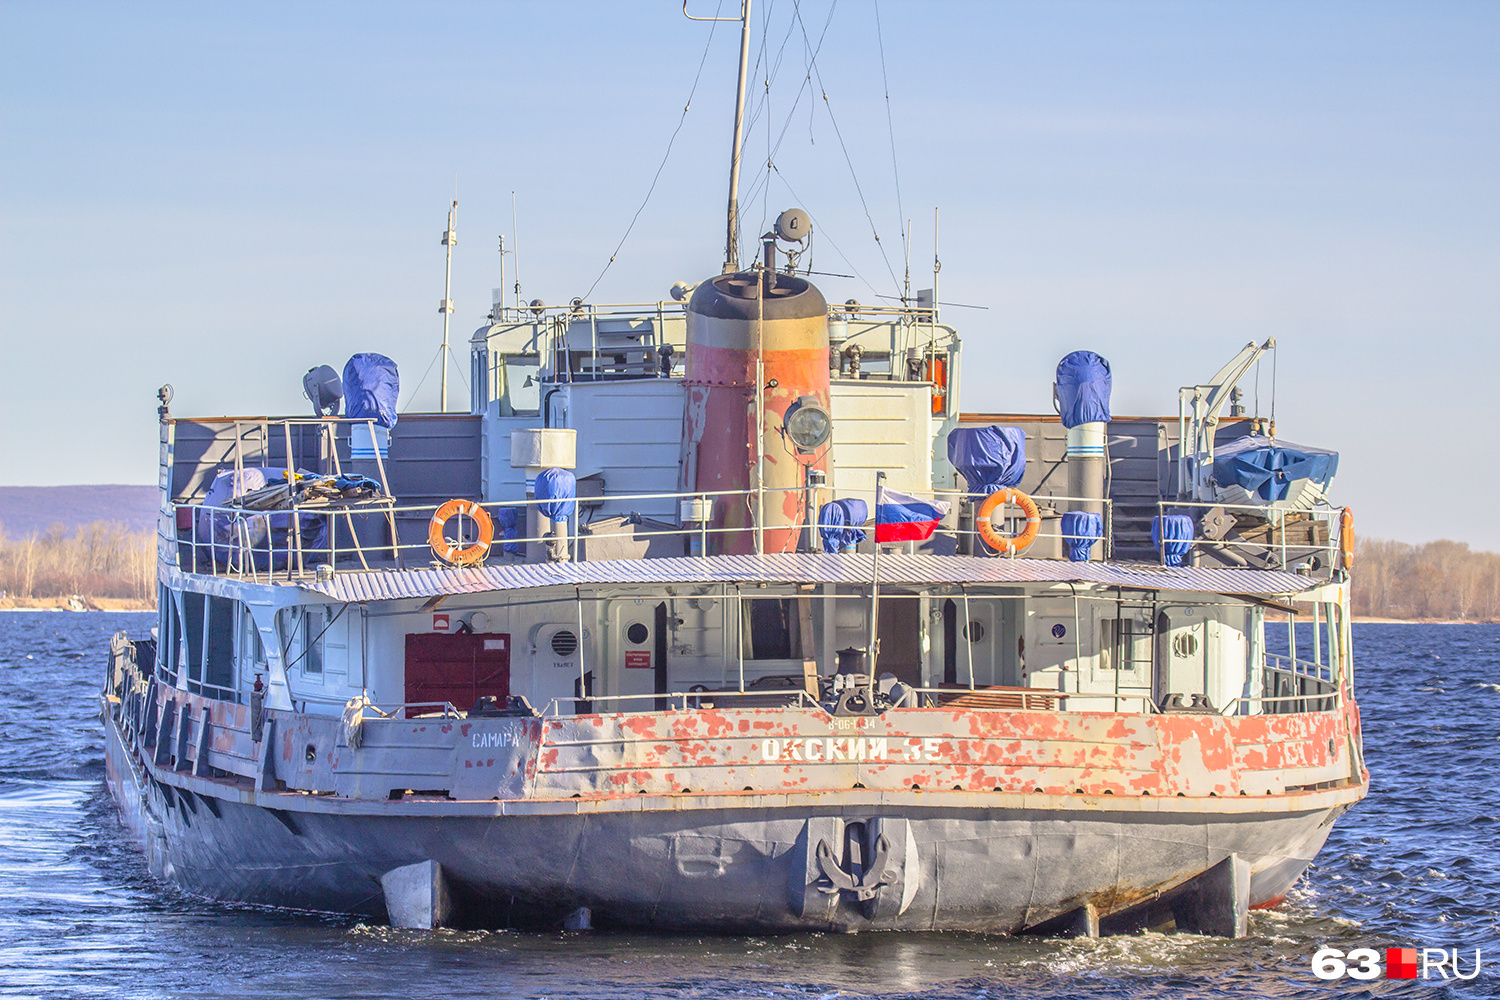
x=718 y=613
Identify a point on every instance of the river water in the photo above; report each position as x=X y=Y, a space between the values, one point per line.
x=1415 y=865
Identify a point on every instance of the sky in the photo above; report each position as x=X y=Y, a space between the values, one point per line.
x=220 y=196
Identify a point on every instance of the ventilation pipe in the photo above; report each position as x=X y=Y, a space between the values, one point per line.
x=1082 y=395
x=757 y=357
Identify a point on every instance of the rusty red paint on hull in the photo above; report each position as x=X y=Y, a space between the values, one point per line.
x=727 y=750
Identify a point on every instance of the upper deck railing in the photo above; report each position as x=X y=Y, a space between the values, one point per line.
x=291 y=543
x=381 y=531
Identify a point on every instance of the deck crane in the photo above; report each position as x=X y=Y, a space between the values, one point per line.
x=1198 y=409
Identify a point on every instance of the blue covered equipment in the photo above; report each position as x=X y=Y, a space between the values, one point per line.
x=1083 y=384
x=989 y=458
x=1080 y=530
x=1266 y=468
x=839 y=524
x=371 y=388
x=1172 y=536
x=556 y=488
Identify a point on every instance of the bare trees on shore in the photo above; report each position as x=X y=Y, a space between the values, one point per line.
x=103 y=559
x=1440 y=579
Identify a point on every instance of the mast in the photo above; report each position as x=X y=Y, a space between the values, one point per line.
x=732 y=233
x=446 y=306
x=732 y=229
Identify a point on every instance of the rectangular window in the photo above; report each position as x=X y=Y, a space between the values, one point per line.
x=252 y=650
x=1124 y=644
x=193 y=613
x=219 y=667
x=314 y=622
x=770 y=629
x=168 y=635
x=523 y=387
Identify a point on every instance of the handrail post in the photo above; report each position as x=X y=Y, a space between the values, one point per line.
x=295 y=535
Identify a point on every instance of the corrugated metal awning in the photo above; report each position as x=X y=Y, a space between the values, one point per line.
x=850 y=569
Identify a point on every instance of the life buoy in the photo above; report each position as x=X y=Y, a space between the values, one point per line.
x=451 y=553
x=1009 y=544
x=1346 y=538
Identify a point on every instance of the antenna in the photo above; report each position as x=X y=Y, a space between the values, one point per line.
x=515 y=249
x=732 y=234
x=450 y=237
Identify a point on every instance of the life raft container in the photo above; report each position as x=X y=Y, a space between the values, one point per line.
x=1009 y=544
x=451 y=552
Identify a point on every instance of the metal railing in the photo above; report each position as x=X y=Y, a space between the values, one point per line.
x=267 y=545
x=1279 y=523
x=791 y=697
x=1282 y=673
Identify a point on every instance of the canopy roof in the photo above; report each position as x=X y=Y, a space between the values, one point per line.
x=852 y=569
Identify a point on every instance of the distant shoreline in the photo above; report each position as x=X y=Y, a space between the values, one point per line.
x=89 y=604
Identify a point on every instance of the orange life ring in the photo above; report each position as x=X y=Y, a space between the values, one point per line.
x=985 y=524
x=1346 y=538
x=447 y=551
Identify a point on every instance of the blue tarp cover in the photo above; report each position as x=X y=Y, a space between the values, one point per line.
x=839 y=523
x=989 y=458
x=560 y=487
x=1080 y=530
x=219 y=539
x=508 y=524
x=1083 y=382
x=1172 y=535
x=371 y=388
x=1265 y=467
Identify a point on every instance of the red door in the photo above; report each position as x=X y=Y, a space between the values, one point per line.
x=459 y=669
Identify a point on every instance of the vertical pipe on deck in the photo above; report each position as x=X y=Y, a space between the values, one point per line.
x=583 y=684
x=1318 y=637
x=739 y=632
x=968 y=637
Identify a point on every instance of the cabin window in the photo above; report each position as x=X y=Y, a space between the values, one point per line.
x=1125 y=644
x=194 y=611
x=770 y=629
x=314 y=623
x=219 y=666
x=523 y=386
x=168 y=635
x=252 y=650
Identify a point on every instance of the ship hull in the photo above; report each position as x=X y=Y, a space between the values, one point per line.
x=951 y=861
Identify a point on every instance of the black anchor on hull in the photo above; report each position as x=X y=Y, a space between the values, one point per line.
x=864 y=885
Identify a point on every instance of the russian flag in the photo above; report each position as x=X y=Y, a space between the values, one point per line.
x=903 y=518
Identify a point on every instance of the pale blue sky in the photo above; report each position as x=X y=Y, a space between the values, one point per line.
x=222 y=195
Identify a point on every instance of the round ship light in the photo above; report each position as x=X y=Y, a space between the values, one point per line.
x=807 y=423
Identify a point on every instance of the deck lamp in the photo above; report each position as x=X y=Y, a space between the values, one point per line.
x=807 y=423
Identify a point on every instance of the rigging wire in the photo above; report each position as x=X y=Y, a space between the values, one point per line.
x=661 y=166
x=891 y=127
x=410 y=400
x=818 y=226
x=838 y=133
x=1274 y=353
x=762 y=176
x=765 y=30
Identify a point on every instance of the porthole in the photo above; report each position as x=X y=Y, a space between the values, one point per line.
x=974 y=631
x=1185 y=644
x=637 y=633
x=564 y=643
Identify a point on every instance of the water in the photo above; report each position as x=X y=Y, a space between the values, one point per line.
x=1415 y=865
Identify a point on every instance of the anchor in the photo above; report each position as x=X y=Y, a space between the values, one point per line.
x=866 y=883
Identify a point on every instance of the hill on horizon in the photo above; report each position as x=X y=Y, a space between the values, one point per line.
x=27 y=509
